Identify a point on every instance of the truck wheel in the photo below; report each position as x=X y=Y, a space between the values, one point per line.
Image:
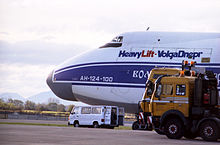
x=76 y=124
x=95 y=125
x=174 y=128
x=135 y=125
x=209 y=131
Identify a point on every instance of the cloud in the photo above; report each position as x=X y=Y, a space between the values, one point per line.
x=73 y=21
x=37 y=52
x=37 y=35
x=24 y=78
x=24 y=66
x=4 y=33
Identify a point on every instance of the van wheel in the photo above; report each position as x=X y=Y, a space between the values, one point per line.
x=76 y=124
x=209 y=131
x=174 y=128
x=95 y=125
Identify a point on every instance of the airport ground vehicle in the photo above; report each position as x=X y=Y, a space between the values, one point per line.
x=140 y=124
x=184 y=105
x=97 y=116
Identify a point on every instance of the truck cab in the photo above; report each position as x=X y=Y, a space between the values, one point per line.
x=172 y=93
x=143 y=105
x=154 y=74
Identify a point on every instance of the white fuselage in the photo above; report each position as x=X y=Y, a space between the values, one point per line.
x=115 y=74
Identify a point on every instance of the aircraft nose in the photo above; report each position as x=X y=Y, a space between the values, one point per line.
x=62 y=90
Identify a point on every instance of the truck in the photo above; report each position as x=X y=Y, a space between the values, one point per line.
x=141 y=123
x=183 y=105
x=97 y=116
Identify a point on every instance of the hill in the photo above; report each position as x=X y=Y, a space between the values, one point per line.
x=6 y=96
x=42 y=97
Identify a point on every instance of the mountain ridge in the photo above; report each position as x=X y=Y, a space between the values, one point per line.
x=42 y=97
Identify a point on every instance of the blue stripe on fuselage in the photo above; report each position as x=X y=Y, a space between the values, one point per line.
x=107 y=73
x=110 y=74
x=136 y=63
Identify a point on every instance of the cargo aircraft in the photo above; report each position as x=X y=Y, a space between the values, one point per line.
x=116 y=73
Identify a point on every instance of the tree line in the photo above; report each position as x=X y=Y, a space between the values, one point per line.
x=52 y=105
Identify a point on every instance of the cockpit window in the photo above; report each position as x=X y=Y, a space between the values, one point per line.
x=117 y=39
x=116 y=42
x=111 y=45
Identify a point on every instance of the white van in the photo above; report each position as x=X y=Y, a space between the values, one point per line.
x=96 y=116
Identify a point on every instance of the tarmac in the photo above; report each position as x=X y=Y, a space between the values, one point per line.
x=52 y=135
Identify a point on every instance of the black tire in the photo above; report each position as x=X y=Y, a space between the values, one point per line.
x=174 y=128
x=76 y=124
x=189 y=135
x=95 y=125
x=209 y=131
x=135 y=125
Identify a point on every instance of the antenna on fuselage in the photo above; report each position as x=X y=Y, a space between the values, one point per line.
x=147 y=28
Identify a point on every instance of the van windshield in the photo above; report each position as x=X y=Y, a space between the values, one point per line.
x=75 y=110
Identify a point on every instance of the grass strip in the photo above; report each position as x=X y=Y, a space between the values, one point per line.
x=123 y=128
x=58 y=125
x=39 y=124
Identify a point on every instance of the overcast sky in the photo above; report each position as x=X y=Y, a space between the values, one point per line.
x=36 y=35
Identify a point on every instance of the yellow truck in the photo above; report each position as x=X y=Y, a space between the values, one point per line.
x=184 y=104
x=141 y=123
